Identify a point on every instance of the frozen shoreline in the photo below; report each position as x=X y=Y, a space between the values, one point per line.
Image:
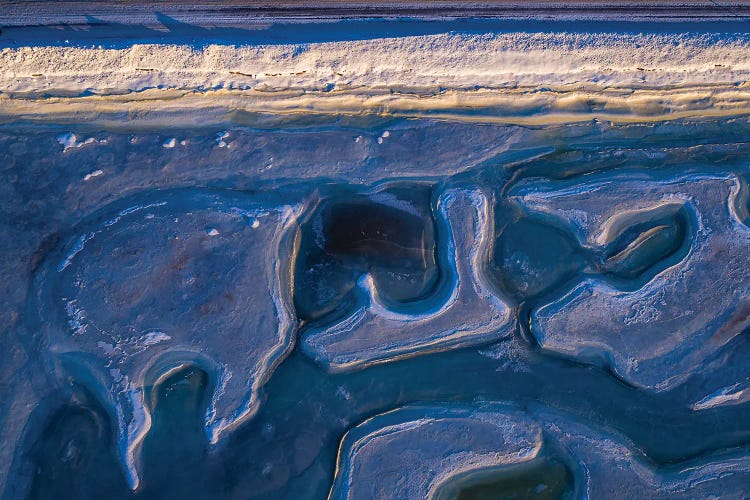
x=507 y=77
x=445 y=61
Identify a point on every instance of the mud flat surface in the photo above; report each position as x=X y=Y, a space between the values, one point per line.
x=25 y=12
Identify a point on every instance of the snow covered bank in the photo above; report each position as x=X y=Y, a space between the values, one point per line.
x=445 y=61
x=498 y=77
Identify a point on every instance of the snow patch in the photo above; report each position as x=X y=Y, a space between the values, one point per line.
x=70 y=141
x=95 y=173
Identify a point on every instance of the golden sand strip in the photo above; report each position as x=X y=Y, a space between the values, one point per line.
x=157 y=108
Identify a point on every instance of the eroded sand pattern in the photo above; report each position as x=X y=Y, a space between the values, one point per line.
x=314 y=256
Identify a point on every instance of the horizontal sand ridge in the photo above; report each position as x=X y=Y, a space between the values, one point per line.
x=174 y=108
x=502 y=77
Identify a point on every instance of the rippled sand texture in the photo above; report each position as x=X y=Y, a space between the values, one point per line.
x=488 y=263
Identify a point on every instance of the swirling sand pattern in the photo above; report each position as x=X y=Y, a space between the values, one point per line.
x=345 y=269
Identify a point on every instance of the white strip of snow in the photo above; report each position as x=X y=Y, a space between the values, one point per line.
x=513 y=76
x=445 y=60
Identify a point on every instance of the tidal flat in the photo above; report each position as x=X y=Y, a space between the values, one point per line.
x=366 y=257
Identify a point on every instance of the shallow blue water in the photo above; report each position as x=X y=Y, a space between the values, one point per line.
x=76 y=255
